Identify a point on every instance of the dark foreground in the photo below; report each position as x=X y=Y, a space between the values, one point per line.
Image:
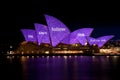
x=60 y=67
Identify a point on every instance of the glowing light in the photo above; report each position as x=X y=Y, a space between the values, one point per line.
x=69 y=56
x=32 y=56
x=86 y=43
x=22 y=52
x=46 y=52
x=107 y=56
x=58 y=56
x=47 y=57
x=27 y=56
x=11 y=46
x=53 y=56
x=115 y=56
x=32 y=52
x=8 y=52
x=11 y=52
x=93 y=56
x=65 y=57
x=8 y=57
x=75 y=56
x=23 y=58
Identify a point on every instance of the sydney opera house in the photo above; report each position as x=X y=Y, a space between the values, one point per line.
x=56 y=33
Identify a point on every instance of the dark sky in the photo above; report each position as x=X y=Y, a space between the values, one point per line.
x=104 y=17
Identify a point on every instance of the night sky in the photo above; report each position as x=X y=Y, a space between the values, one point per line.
x=104 y=17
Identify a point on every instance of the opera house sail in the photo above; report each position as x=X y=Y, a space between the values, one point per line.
x=29 y=35
x=55 y=32
x=42 y=33
x=99 y=41
x=58 y=30
x=104 y=39
x=80 y=35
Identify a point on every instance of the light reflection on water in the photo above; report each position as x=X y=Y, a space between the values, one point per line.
x=67 y=67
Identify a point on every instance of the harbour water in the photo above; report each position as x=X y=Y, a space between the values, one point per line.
x=60 y=68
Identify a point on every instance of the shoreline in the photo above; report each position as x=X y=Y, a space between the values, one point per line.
x=77 y=54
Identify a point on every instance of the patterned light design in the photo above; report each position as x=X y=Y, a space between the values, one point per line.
x=42 y=33
x=58 y=30
x=103 y=40
x=92 y=41
x=99 y=41
x=66 y=40
x=29 y=35
x=80 y=35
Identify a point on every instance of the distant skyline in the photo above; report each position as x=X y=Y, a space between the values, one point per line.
x=105 y=19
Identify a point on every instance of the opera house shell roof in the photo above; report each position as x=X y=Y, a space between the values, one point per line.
x=56 y=32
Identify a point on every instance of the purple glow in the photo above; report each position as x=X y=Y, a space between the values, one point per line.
x=91 y=40
x=58 y=30
x=29 y=35
x=104 y=39
x=99 y=41
x=80 y=35
x=42 y=33
x=67 y=40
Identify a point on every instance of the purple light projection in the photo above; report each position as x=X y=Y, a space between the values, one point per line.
x=92 y=41
x=104 y=39
x=29 y=35
x=66 y=40
x=99 y=41
x=42 y=33
x=69 y=40
x=58 y=30
x=80 y=35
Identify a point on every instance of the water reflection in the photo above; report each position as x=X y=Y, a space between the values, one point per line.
x=64 y=67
